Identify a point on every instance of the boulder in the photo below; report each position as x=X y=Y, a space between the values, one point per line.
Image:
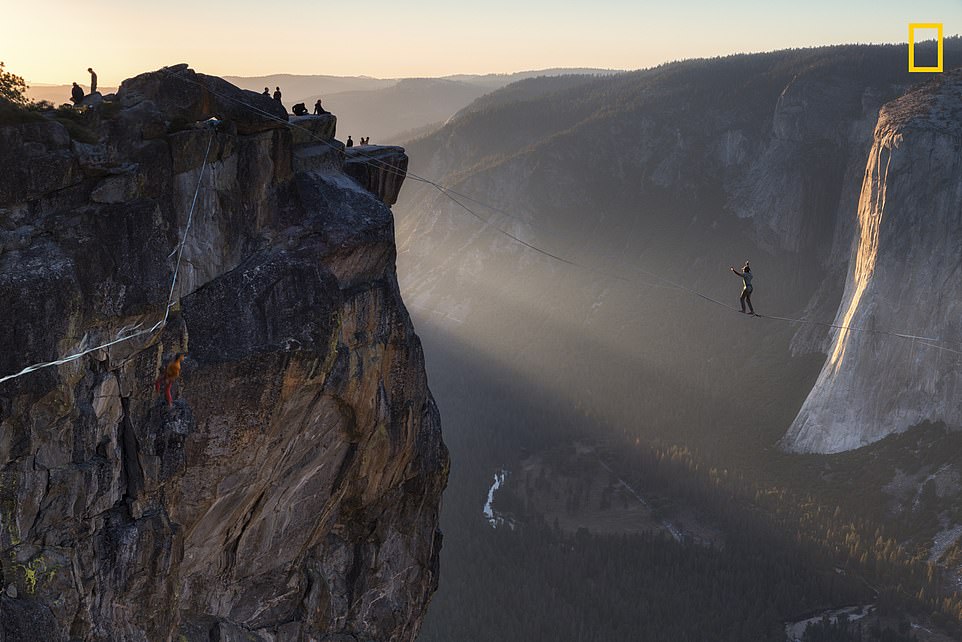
x=92 y=100
x=185 y=96
x=311 y=129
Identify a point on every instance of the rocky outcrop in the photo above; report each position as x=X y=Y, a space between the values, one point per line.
x=903 y=277
x=311 y=129
x=381 y=170
x=291 y=492
x=185 y=96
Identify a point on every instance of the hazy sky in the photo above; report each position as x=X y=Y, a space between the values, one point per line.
x=56 y=40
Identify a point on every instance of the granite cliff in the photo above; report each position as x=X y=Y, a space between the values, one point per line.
x=292 y=490
x=903 y=276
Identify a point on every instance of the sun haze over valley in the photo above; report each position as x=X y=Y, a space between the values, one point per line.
x=597 y=322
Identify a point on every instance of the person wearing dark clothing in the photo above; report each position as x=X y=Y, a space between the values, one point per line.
x=77 y=94
x=746 y=296
x=93 y=80
x=299 y=109
x=267 y=92
x=318 y=110
x=349 y=143
x=277 y=94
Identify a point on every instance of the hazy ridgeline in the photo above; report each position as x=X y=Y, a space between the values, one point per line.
x=680 y=171
x=389 y=110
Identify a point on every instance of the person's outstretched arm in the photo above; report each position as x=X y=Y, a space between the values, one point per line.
x=736 y=271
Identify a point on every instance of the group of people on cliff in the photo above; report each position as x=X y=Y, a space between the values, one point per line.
x=300 y=109
x=77 y=92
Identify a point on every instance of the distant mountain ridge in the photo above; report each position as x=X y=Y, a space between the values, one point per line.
x=384 y=109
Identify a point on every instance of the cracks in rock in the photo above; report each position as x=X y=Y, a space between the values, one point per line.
x=131 y=474
x=353 y=574
x=230 y=553
x=344 y=468
x=39 y=515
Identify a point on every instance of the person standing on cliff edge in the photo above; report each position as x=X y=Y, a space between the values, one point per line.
x=746 y=296
x=93 y=79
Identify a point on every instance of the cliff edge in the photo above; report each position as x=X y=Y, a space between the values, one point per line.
x=292 y=490
x=903 y=277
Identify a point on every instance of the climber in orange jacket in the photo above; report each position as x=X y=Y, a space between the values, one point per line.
x=169 y=376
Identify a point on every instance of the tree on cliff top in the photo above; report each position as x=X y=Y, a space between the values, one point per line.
x=12 y=87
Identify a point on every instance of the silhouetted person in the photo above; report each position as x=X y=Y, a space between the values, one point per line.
x=93 y=80
x=299 y=109
x=277 y=94
x=267 y=92
x=77 y=94
x=349 y=143
x=746 y=296
x=318 y=110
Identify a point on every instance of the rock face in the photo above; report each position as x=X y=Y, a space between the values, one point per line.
x=185 y=96
x=378 y=168
x=903 y=276
x=291 y=492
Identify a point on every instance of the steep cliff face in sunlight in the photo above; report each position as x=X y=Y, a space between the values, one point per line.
x=904 y=276
x=292 y=490
x=805 y=175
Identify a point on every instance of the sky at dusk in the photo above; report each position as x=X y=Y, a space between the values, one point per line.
x=55 y=42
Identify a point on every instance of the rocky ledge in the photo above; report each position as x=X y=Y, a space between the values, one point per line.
x=291 y=492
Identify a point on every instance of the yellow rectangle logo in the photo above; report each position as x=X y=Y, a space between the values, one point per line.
x=924 y=25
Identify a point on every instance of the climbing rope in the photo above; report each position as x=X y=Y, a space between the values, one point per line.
x=132 y=332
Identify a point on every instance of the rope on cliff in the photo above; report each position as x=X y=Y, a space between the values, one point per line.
x=452 y=194
x=127 y=333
